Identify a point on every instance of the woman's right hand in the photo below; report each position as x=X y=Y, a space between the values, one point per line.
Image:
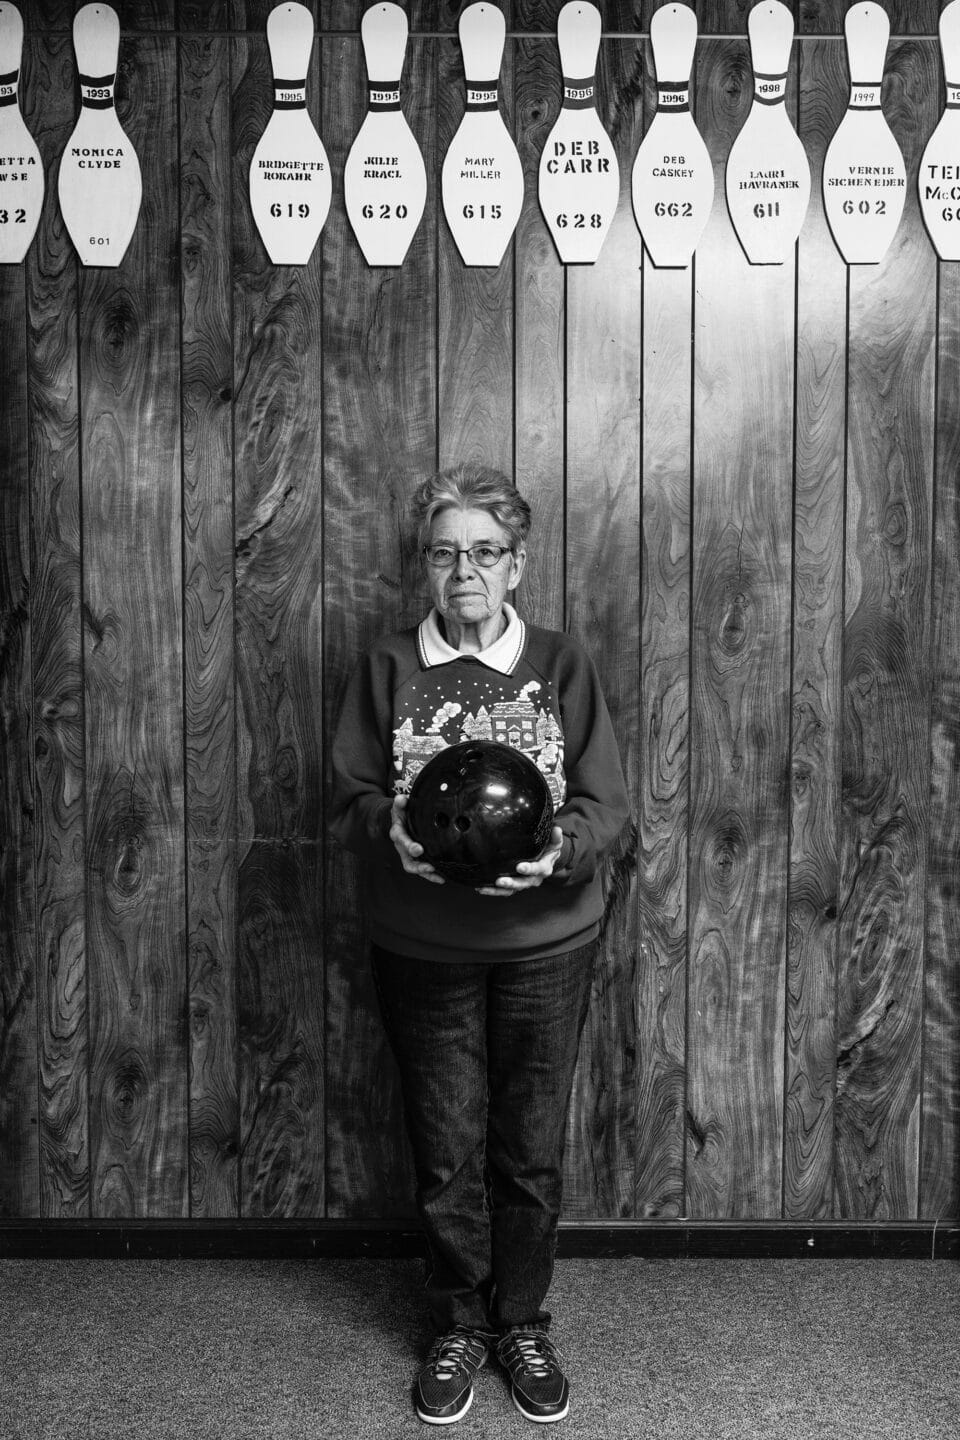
x=406 y=847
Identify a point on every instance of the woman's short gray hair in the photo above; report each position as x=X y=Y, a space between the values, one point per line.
x=471 y=487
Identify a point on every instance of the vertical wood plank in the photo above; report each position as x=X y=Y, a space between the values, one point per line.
x=130 y=458
x=621 y=17
x=20 y=1171
x=907 y=17
x=810 y=1053
x=278 y=538
x=740 y=679
x=603 y=612
x=252 y=15
x=475 y=310
x=46 y=16
x=57 y=674
x=539 y=338
x=209 y=709
x=723 y=17
x=886 y=687
x=212 y=16
x=825 y=17
x=380 y=440
x=446 y=15
x=617 y=17
x=146 y=15
x=345 y=15
x=663 y=724
x=940 y=1151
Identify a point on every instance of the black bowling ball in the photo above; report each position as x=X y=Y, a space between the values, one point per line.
x=477 y=809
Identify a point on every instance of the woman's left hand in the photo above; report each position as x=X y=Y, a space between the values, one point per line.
x=530 y=873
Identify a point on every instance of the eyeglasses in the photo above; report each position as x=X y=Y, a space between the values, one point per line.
x=441 y=557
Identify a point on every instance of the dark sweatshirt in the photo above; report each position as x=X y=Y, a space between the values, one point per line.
x=535 y=689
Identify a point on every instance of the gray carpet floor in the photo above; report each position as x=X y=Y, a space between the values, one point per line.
x=326 y=1349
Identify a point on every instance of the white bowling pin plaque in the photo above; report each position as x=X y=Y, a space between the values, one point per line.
x=289 y=174
x=21 y=170
x=939 y=178
x=768 y=177
x=99 y=184
x=482 y=178
x=384 y=180
x=579 y=183
x=672 y=174
x=864 y=178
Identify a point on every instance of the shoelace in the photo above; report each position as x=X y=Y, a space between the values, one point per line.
x=452 y=1352
x=536 y=1354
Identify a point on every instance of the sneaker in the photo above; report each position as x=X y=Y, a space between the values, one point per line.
x=444 y=1389
x=538 y=1385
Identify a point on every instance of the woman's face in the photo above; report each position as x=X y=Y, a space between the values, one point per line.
x=465 y=593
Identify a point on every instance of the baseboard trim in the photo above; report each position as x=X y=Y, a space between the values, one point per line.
x=303 y=1240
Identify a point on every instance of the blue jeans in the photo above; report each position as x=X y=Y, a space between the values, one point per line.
x=486 y=1054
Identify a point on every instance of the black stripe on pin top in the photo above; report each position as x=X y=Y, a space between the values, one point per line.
x=578 y=94
x=777 y=81
x=11 y=80
x=672 y=96
x=481 y=96
x=96 y=82
x=280 y=87
x=385 y=96
x=876 y=85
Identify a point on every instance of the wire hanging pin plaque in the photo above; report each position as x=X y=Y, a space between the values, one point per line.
x=290 y=185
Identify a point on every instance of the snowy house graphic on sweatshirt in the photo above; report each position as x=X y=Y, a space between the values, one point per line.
x=411 y=752
x=514 y=721
x=510 y=722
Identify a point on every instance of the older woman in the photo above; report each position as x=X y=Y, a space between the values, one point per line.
x=483 y=991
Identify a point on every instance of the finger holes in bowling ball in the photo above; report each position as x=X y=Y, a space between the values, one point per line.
x=478 y=808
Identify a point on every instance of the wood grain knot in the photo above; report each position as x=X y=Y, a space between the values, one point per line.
x=199 y=1018
x=245 y=544
x=734 y=626
x=120 y=841
x=737 y=80
x=206 y=967
x=128 y=865
x=125 y=1091
x=95 y=628
x=876 y=645
x=620 y=868
x=14 y=621
x=854 y=1047
x=191 y=255
x=697 y=1134
x=896 y=525
x=119 y=331
x=61 y=707
x=725 y=854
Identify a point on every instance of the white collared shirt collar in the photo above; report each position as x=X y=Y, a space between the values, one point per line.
x=503 y=655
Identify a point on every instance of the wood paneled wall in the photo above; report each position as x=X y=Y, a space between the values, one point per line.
x=747 y=506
